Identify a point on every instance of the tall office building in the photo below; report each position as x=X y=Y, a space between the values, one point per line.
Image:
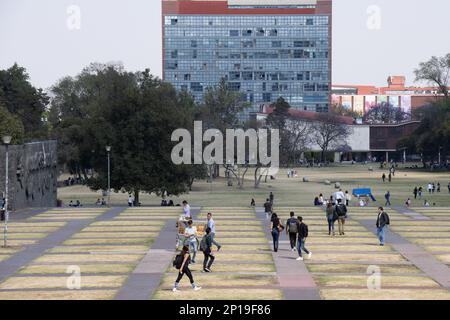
x=264 y=49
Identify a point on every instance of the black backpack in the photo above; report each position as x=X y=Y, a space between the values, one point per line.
x=178 y=261
x=341 y=210
x=293 y=226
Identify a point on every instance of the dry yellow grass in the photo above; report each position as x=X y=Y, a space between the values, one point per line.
x=87 y=258
x=384 y=294
x=125 y=241
x=386 y=280
x=85 y=268
x=354 y=247
x=244 y=257
x=357 y=268
x=61 y=282
x=253 y=267
x=13 y=235
x=243 y=240
x=119 y=230
x=219 y=294
x=357 y=257
x=226 y=280
x=126 y=223
x=112 y=249
x=108 y=235
x=59 y=295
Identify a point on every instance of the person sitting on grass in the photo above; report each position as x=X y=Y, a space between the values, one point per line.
x=183 y=268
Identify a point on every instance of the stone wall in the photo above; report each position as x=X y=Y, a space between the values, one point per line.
x=32 y=175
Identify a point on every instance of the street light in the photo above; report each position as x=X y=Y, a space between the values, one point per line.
x=440 y=148
x=6 y=142
x=108 y=150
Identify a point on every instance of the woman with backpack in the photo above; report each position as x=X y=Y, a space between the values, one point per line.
x=331 y=218
x=182 y=264
x=275 y=228
x=206 y=246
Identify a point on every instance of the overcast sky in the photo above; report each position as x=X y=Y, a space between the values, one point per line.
x=372 y=38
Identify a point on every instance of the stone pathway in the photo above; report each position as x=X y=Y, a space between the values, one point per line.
x=146 y=277
x=411 y=213
x=295 y=280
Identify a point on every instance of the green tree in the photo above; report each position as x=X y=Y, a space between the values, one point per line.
x=385 y=113
x=11 y=125
x=25 y=101
x=134 y=113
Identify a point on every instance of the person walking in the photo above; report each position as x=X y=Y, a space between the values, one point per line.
x=383 y=177
x=206 y=247
x=420 y=192
x=341 y=211
x=387 y=196
x=268 y=208
x=390 y=177
x=438 y=187
x=348 y=198
x=430 y=188
x=408 y=203
x=182 y=262
x=271 y=198
x=302 y=235
x=191 y=236
x=187 y=210
x=382 y=222
x=415 y=192
x=130 y=200
x=448 y=187
x=275 y=229
x=331 y=218
x=292 y=230
x=212 y=225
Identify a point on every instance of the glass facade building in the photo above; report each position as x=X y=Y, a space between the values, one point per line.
x=263 y=50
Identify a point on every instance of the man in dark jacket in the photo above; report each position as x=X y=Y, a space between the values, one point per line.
x=292 y=227
x=268 y=208
x=302 y=235
x=382 y=222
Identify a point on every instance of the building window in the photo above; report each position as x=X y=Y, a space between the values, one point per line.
x=234 y=33
x=174 y=22
x=193 y=43
x=196 y=87
x=187 y=77
x=276 y=44
x=267 y=97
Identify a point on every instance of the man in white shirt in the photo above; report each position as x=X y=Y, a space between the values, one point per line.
x=186 y=210
x=130 y=201
x=191 y=235
x=212 y=225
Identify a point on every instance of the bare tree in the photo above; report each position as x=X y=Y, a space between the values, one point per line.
x=329 y=132
x=297 y=138
x=436 y=71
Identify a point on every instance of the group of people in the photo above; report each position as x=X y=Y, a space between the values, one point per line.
x=189 y=251
x=77 y=204
x=343 y=197
x=100 y=203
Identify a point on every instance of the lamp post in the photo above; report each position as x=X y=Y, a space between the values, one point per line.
x=7 y=142
x=108 y=150
x=440 y=148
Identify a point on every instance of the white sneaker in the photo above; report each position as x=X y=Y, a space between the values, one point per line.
x=175 y=290
x=299 y=259
x=293 y=249
x=197 y=288
x=309 y=255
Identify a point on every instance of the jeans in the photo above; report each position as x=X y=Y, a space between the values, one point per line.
x=341 y=221
x=301 y=246
x=293 y=240
x=193 y=248
x=381 y=234
x=187 y=272
x=388 y=202
x=214 y=242
x=208 y=257
x=330 y=224
x=275 y=237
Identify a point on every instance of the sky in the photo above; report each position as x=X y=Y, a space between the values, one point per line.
x=372 y=39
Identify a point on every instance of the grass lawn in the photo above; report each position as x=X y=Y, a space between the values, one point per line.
x=290 y=192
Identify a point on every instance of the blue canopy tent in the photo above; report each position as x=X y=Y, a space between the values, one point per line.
x=364 y=192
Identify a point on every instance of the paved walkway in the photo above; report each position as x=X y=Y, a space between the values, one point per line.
x=147 y=276
x=425 y=261
x=31 y=252
x=411 y=213
x=295 y=280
